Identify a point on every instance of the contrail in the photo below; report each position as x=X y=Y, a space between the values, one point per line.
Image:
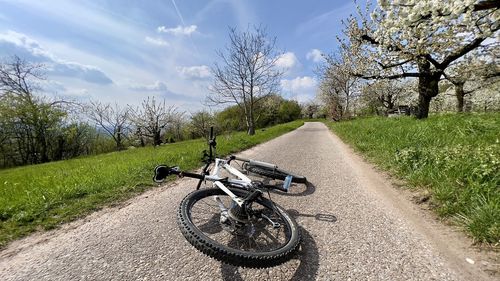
x=184 y=24
x=178 y=13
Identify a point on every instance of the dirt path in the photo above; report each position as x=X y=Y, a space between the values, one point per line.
x=355 y=227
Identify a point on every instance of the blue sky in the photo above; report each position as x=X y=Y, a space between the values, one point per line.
x=123 y=50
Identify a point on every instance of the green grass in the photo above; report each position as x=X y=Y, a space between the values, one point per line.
x=455 y=157
x=43 y=196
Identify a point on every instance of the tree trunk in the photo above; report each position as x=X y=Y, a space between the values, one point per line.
x=60 y=148
x=459 y=92
x=423 y=106
x=249 y=120
x=390 y=102
x=251 y=124
x=427 y=88
x=118 y=139
x=157 y=138
x=44 y=157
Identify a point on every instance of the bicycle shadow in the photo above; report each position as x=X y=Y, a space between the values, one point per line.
x=320 y=217
x=297 y=189
x=307 y=256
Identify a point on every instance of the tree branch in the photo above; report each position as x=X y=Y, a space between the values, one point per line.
x=461 y=52
x=390 y=77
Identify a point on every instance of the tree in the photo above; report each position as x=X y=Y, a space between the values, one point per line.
x=274 y=109
x=310 y=109
x=230 y=119
x=112 y=119
x=201 y=122
x=247 y=74
x=383 y=93
x=75 y=139
x=419 y=39
x=178 y=125
x=288 y=111
x=153 y=118
x=477 y=72
x=338 y=86
x=28 y=120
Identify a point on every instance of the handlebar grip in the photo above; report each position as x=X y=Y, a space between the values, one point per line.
x=191 y=175
x=211 y=132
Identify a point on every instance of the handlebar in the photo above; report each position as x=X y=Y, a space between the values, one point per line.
x=162 y=172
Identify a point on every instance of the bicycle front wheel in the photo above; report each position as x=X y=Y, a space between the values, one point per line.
x=267 y=237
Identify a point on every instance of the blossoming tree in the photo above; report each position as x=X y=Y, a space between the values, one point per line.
x=419 y=38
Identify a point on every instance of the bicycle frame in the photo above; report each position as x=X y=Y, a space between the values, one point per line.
x=242 y=181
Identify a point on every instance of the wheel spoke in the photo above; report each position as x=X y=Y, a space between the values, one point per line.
x=257 y=236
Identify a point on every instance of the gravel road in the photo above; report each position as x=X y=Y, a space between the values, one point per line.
x=354 y=224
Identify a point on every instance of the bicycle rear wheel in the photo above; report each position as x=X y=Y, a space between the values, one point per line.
x=273 y=173
x=254 y=242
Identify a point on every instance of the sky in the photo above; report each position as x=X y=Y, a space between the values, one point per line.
x=124 y=51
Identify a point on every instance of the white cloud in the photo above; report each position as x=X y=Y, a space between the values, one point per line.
x=78 y=93
x=195 y=72
x=300 y=88
x=155 y=87
x=287 y=60
x=156 y=41
x=14 y=43
x=87 y=73
x=52 y=86
x=299 y=84
x=160 y=89
x=315 y=55
x=179 y=30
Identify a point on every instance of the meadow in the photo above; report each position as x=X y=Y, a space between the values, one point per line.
x=454 y=158
x=42 y=197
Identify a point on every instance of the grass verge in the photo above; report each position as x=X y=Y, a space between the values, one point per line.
x=43 y=196
x=456 y=158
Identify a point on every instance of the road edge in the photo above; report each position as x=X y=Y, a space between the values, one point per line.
x=449 y=241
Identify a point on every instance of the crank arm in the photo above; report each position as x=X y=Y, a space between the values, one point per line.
x=220 y=204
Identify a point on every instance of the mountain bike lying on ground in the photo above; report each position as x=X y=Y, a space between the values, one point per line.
x=233 y=221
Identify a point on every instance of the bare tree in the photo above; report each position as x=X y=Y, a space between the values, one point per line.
x=153 y=118
x=19 y=77
x=113 y=119
x=248 y=72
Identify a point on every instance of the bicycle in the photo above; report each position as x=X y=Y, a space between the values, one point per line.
x=233 y=222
